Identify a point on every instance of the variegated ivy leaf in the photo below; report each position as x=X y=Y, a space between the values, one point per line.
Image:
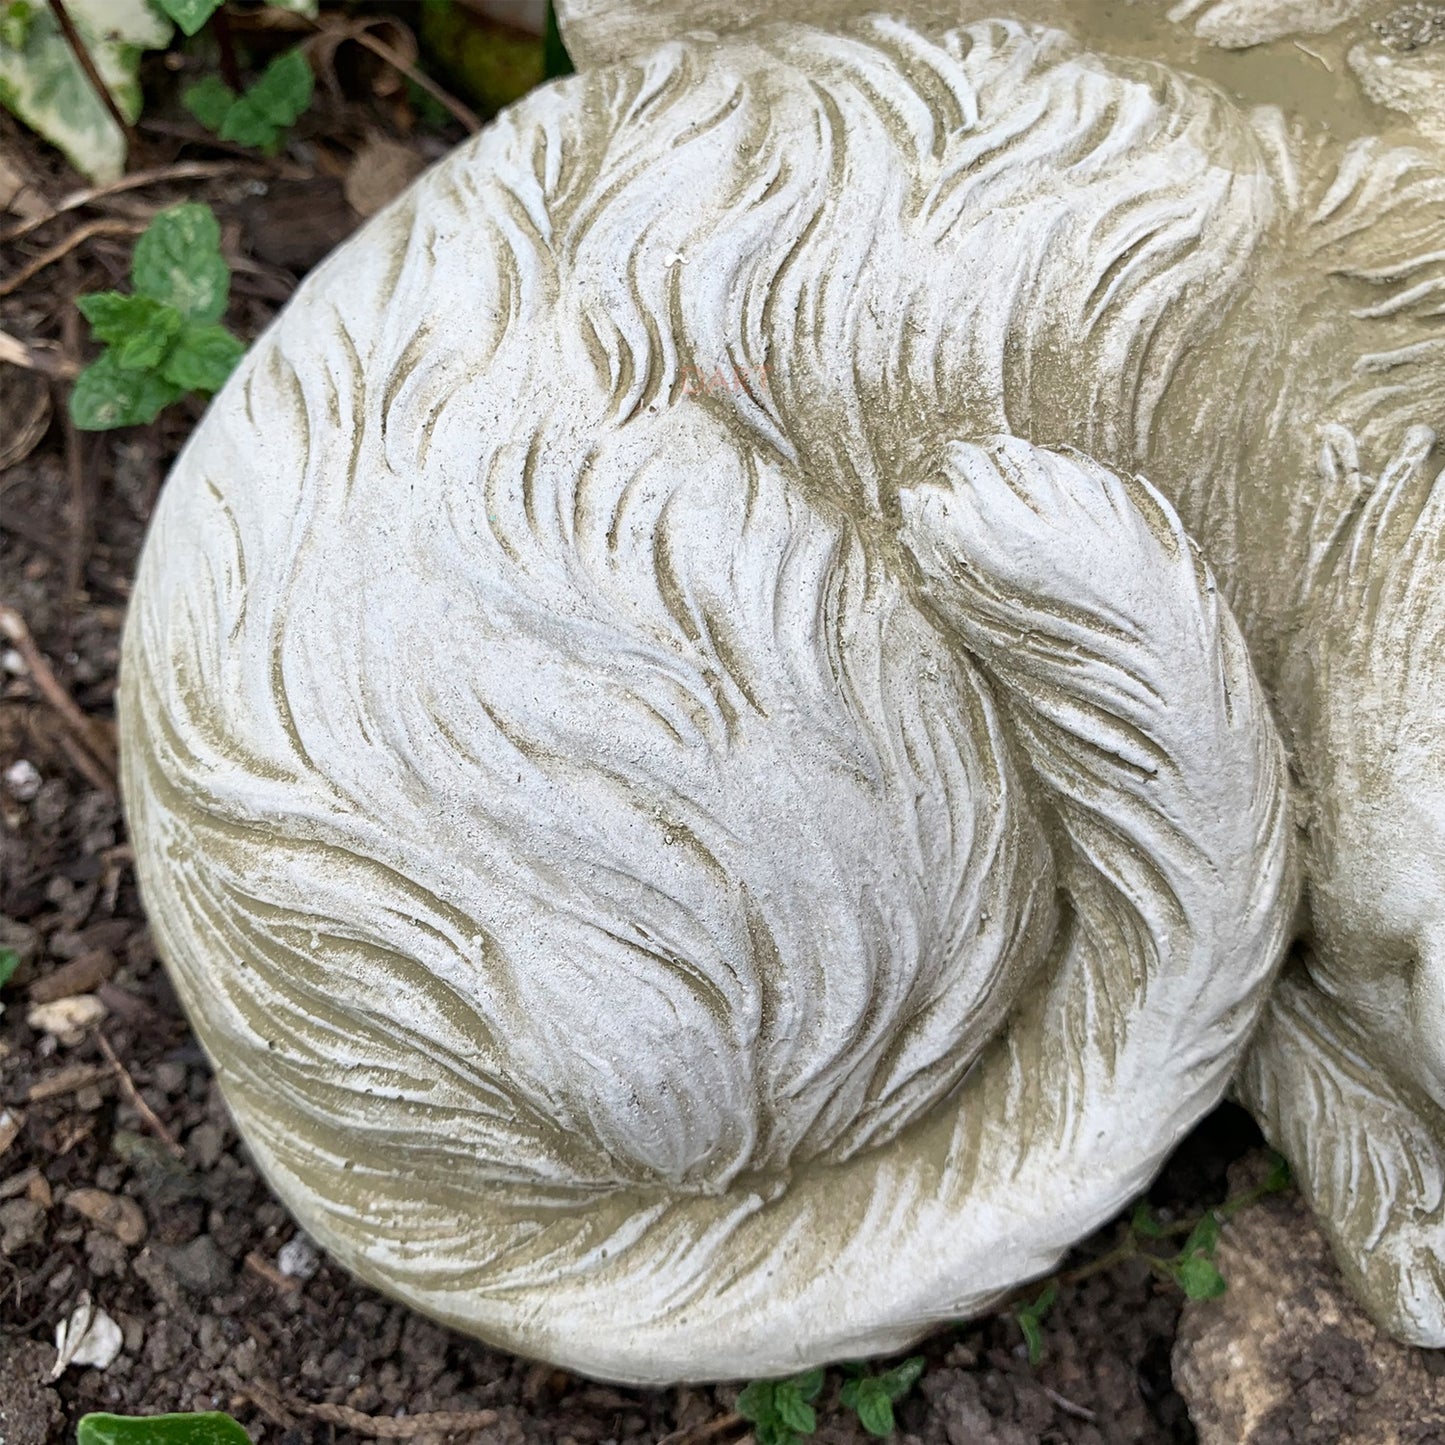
x=43 y=84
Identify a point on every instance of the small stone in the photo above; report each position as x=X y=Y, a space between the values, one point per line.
x=21 y=1223
x=105 y=1254
x=11 y=1121
x=170 y=1077
x=117 y=1214
x=298 y=1258
x=23 y=780
x=204 y=1145
x=200 y=1266
x=67 y=1019
x=88 y=1337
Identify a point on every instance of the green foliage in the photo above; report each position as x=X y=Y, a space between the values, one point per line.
x=782 y=1410
x=190 y=15
x=43 y=83
x=1031 y=1319
x=163 y=341
x=873 y=1397
x=261 y=115
x=211 y=1428
x=9 y=962
x=1193 y=1269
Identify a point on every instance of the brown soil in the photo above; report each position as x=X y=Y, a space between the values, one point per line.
x=209 y=1320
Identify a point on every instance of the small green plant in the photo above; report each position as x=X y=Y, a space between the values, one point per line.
x=261 y=115
x=782 y=1410
x=1192 y=1268
x=1031 y=1318
x=873 y=1397
x=9 y=962
x=165 y=339
x=211 y=1428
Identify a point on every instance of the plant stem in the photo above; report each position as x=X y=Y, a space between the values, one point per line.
x=87 y=64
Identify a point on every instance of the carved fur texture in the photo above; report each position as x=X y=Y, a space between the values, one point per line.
x=696 y=848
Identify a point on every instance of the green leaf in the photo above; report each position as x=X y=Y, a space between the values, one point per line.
x=898 y=1381
x=145 y=348
x=1033 y=1335
x=211 y=1428
x=1143 y=1222
x=1279 y=1178
x=178 y=260
x=9 y=962
x=203 y=358
x=190 y=15
x=273 y=103
x=875 y=1409
x=793 y=1410
x=1198 y=1277
x=114 y=316
x=756 y=1401
x=209 y=100
x=106 y=395
x=810 y=1385
x=1203 y=1238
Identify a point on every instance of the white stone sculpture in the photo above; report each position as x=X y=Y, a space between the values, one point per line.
x=707 y=815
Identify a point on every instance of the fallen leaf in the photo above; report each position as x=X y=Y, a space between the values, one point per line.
x=379 y=172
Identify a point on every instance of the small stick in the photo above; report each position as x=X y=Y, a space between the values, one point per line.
x=181 y=171
x=258 y=1264
x=36 y=358
x=132 y=1094
x=67 y=1081
x=63 y=248
x=87 y=64
x=399 y=62
x=92 y=737
x=394 y=1427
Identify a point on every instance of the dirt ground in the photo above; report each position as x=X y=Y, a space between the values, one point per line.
x=120 y=1174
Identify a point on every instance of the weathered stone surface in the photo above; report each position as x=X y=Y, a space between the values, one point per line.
x=1287 y=1357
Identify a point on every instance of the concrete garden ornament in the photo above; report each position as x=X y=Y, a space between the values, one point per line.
x=689 y=773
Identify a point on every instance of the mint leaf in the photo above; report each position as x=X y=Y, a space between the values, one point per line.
x=792 y=1410
x=1278 y=1179
x=810 y=1385
x=190 y=15
x=756 y=1401
x=1203 y=1237
x=178 y=260
x=9 y=962
x=898 y=1381
x=1143 y=1222
x=115 y=317
x=273 y=103
x=203 y=358
x=875 y=1409
x=1198 y=1277
x=211 y=1428
x=106 y=395
x=209 y=100
x=146 y=346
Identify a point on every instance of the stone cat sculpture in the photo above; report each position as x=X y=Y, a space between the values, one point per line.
x=708 y=815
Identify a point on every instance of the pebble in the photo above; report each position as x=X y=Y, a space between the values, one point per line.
x=170 y=1078
x=114 y=1213
x=298 y=1258
x=23 y=780
x=199 y=1266
x=21 y=1221
x=67 y=1019
x=204 y=1145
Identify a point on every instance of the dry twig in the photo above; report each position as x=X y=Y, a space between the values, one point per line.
x=723 y=1425
x=61 y=249
x=86 y=731
x=395 y=1427
x=132 y=1094
x=39 y=357
x=136 y=180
